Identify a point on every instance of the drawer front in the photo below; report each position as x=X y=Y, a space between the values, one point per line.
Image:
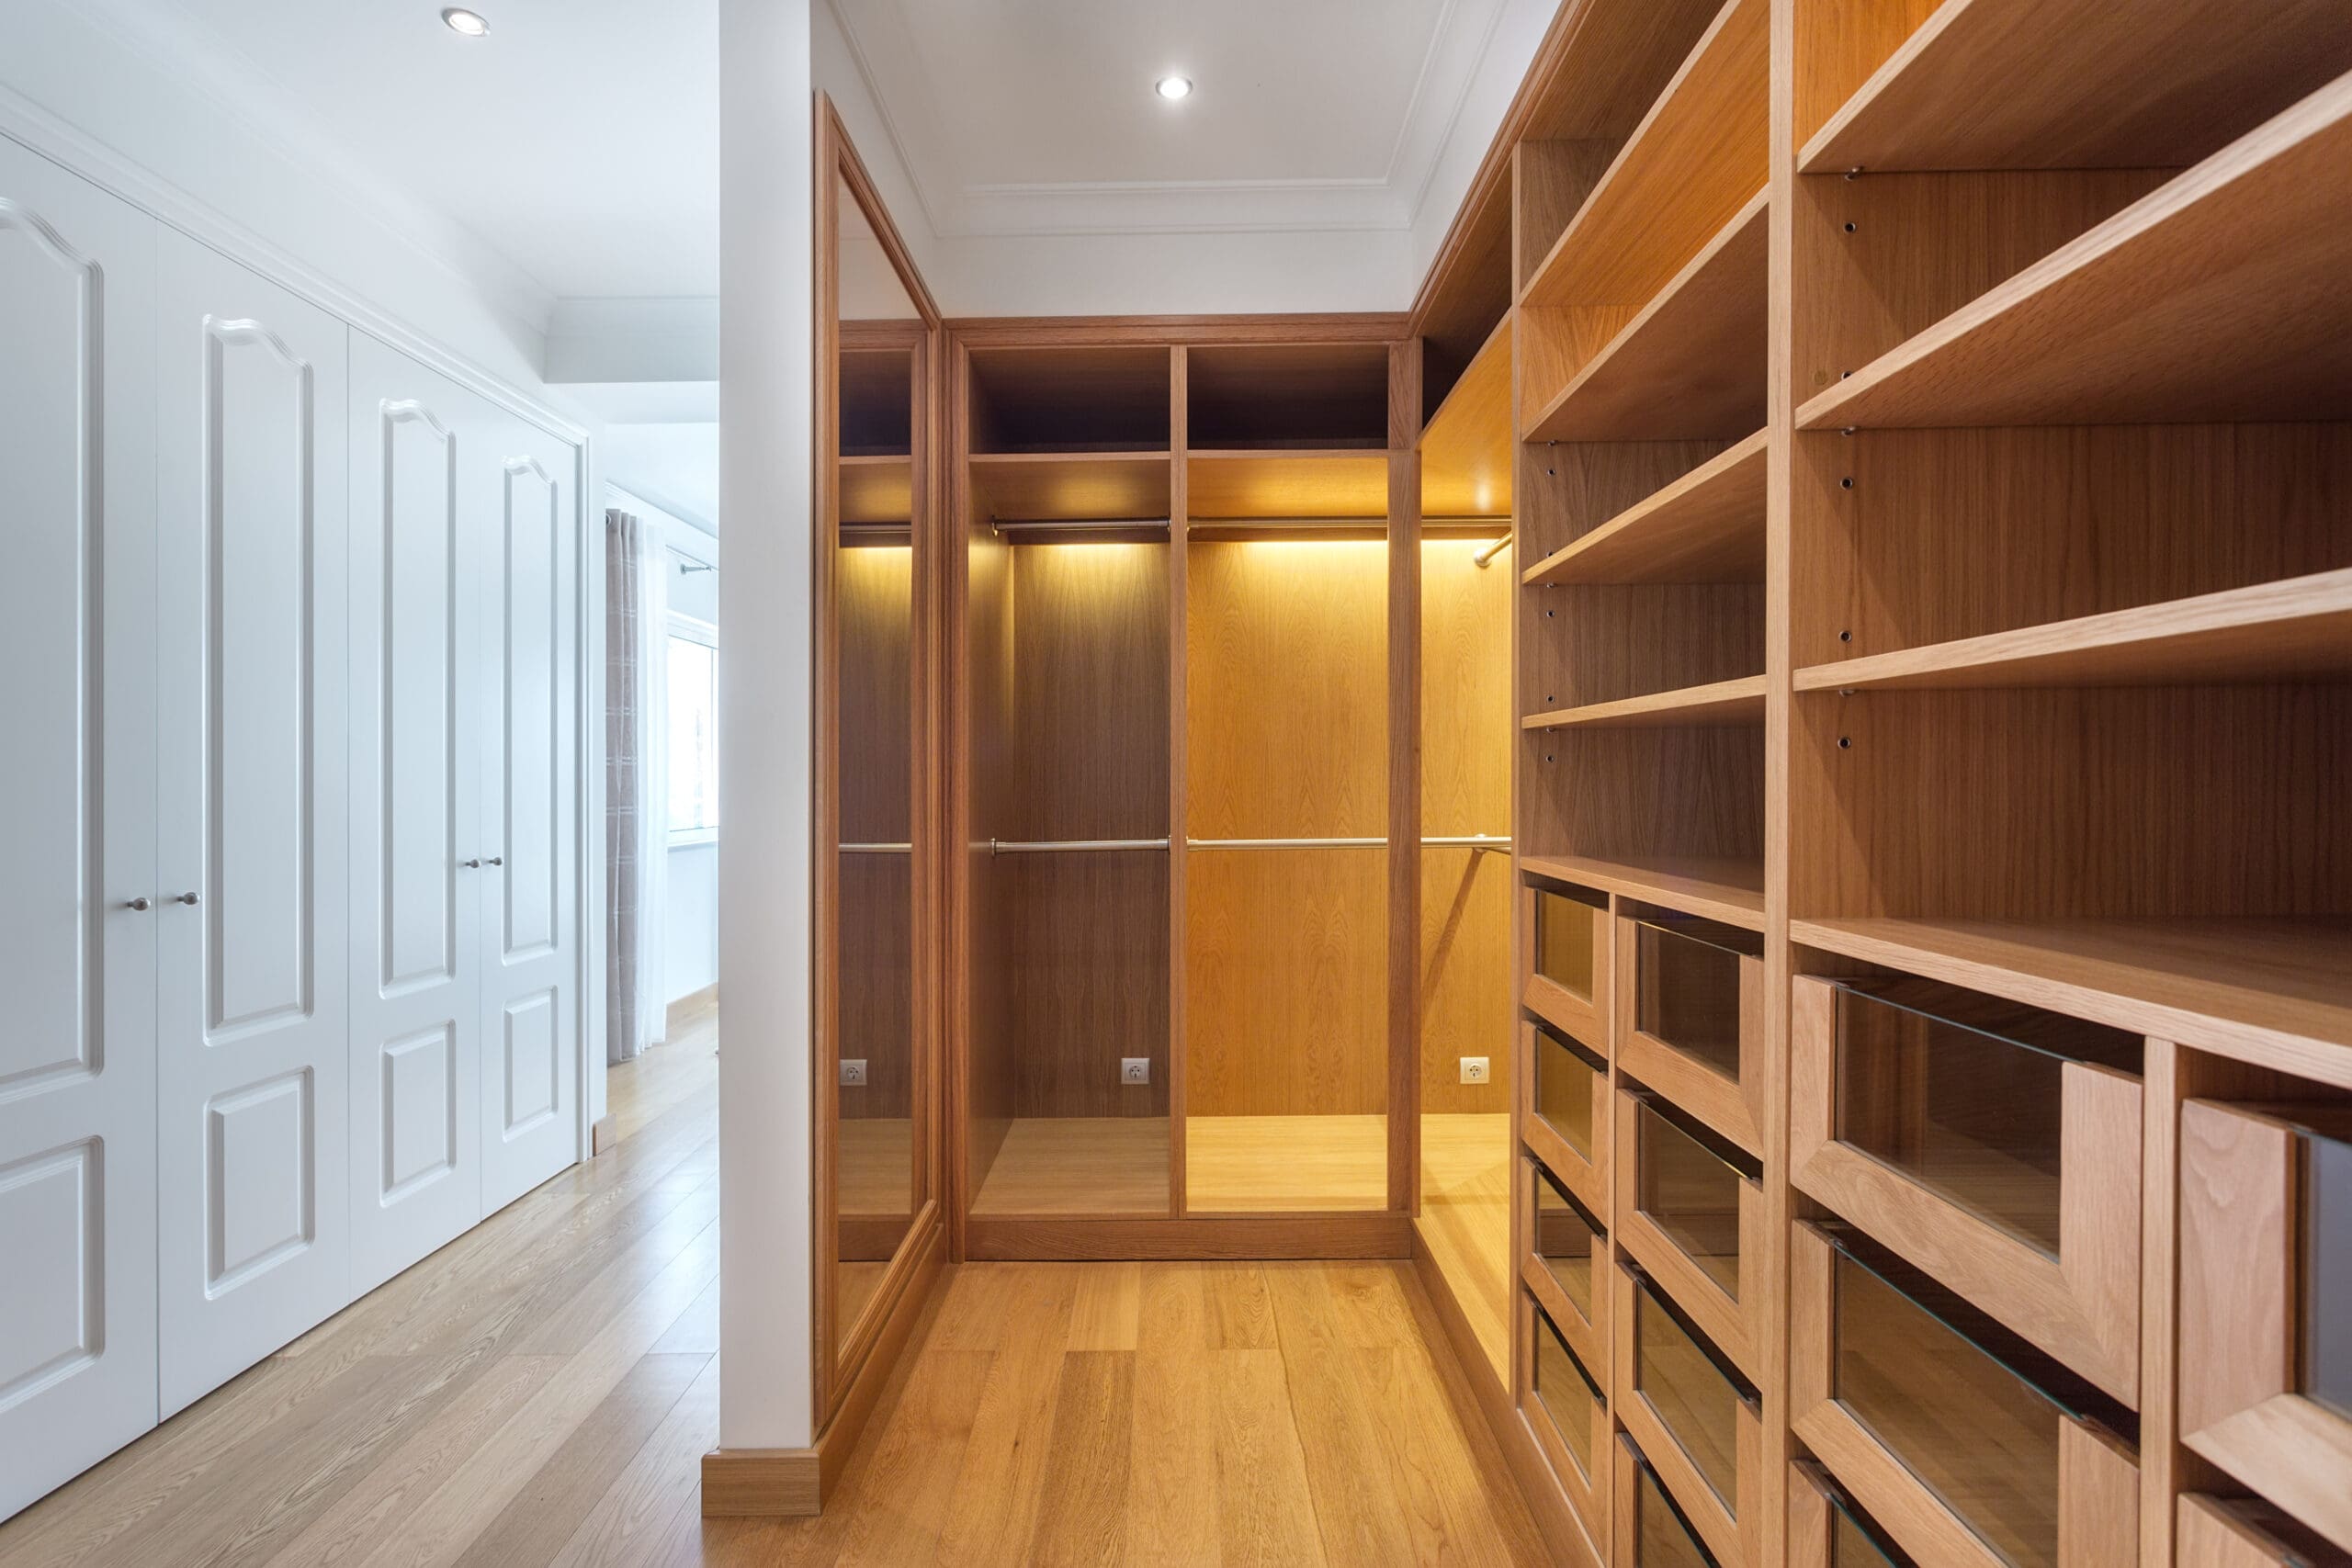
x=1690 y=1020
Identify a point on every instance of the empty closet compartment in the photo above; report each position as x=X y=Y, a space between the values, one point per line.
x=1568 y=1107
x=1690 y=1211
x=1567 y=963
x=1975 y=1447
x=1568 y=1412
x=1288 y=1058
x=1067 y=1064
x=1068 y=398
x=1691 y=1017
x=1994 y=1144
x=2266 y=1218
x=2247 y=1532
x=1308 y=396
x=1699 y=1419
x=1567 y=1243
x=1829 y=1530
x=876 y=476
x=1651 y=1526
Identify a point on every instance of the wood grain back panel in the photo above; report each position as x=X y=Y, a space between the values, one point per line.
x=1089 y=757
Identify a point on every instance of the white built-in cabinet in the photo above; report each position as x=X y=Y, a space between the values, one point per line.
x=290 y=820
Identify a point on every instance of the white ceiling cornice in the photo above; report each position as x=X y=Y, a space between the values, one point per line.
x=881 y=41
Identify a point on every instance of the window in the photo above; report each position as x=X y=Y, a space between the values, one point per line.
x=694 y=732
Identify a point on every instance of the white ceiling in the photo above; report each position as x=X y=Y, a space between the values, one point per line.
x=1038 y=115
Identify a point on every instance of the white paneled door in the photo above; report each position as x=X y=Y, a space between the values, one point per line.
x=254 y=1056
x=527 y=590
x=77 y=825
x=416 y=850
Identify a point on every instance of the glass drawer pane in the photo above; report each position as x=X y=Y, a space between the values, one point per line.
x=1961 y=1092
x=1566 y=926
x=1687 y=985
x=2326 y=1248
x=1696 y=1396
x=1939 y=1385
x=1567 y=1390
x=1662 y=1537
x=1566 y=1238
x=1566 y=1084
x=1854 y=1540
x=1689 y=1187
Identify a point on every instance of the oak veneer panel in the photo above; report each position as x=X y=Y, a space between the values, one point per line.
x=1287 y=395
x=1285 y=484
x=2217 y=297
x=1079 y=1165
x=1564 y=492
x=2077 y=84
x=1693 y=162
x=2297 y=629
x=1731 y=891
x=1642 y=795
x=1285 y=1164
x=1707 y=526
x=2247 y=1532
x=1088 y=755
x=1586 y=646
x=1949 y=535
x=1468 y=292
x=873 y=614
x=1061 y=487
x=1466 y=450
x=1069 y=398
x=1690 y=366
x=1723 y=702
x=877 y=491
x=1550 y=180
x=1287 y=972
x=988 y=673
x=1837 y=45
x=876 y=1016
x=1088 y=954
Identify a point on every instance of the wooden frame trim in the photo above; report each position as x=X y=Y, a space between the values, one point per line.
x=1156 y=332
x=1586 y=1176
x=1587 y=1018
x=1735 y=1324
x=2082 y=1307
x=1587 y=1494
x=1590 y=1329
x=1339 y=1233
x=2241 y=1213
x=2098 y=1478
x=765 y=1483
x=1628 y=1460
x=1739 y=1111
x=1733 y=1532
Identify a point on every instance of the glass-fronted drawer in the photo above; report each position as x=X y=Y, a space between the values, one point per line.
x=1943 y=1417
x=1568 y=1238
x=1995 y=1144
x=1829 y=1530
x=1657 y=1532
x=2265 y=1300
x=1565 y=931
x=1691 y=1019
x=1566 y=1393
x=2249 y=1532
x=1696 y=1214
x=1698 y=1417
x=1568 y=1094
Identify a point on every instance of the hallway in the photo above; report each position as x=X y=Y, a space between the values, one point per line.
x=541 y=1391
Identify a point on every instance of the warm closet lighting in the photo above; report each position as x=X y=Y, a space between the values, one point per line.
x=1173 y=87
x=461 y=20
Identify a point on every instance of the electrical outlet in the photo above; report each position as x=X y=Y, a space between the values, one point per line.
x=1134 y=1069
x=854 y=1072
x=1473 y=1069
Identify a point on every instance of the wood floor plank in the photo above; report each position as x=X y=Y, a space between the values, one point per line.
x=1265 y=1513
x=921 y=1451
x=1241 y=1314
x=1172 y=1307
x=1361 y=1519
x=993 y=1511
x=1109 y=1303
x=1172 y=1492
x=534 y=1526
x=628 y=1524
x=1082 y=1505
x=1455 y=1514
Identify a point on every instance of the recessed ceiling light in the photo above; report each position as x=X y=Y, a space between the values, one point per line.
x=461 y=20
x=1173 y=87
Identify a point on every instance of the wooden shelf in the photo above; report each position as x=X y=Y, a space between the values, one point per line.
x=1731 y=891
x=2218 y=297
x=1342 y=483
x=1707 y=526
x=2273 y=631
x=2081 y=83
x=2271 y=990
x=1692 y=365
x=1061 y=487
x=1466 y=450
x=1692 y=163
x=1739 y=702
x=877 y=491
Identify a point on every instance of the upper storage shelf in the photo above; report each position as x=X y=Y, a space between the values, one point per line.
x=1318 y=395
x=1467 y=294
x=1279 y=486
x=876 y=403
x=1466 y=450
x=1689 y=167
x=1092 y=399
x=2218 y=297
x=1071 y=487
x=2059 y=84
x=1707 y=526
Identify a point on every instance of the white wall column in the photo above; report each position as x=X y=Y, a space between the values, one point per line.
x=765 y=1126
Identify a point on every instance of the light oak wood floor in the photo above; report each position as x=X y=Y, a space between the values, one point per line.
x=541 y=1391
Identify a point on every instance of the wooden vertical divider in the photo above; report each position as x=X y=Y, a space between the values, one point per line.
x=1404 y=778
x=1179 y=511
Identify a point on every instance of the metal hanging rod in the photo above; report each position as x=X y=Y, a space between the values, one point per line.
x=1070 y=846
x=1483 y=557
x=1470 y=841
x=687 y=566
x=878 y=849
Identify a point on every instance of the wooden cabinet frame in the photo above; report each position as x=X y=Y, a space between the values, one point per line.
x=1587 y=1177
x=1735 y=1109
x=1624 y=1487
x=1587 y=1494
x=1737 y=1324
x=2098 y=1479
x=1587 y=1334
x=1733 y=1532
x=2213 y=1536
x=1546 y=997
x=2241 y=1210
x=2082 y=1306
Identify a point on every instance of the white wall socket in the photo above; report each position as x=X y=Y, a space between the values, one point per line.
x=853 y=1072
x=1473 y=1069
x=1134 y=1069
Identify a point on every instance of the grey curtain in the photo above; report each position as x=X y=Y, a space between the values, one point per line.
x=635 y=804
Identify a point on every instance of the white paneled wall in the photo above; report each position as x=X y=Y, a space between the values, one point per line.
x=291 y=823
